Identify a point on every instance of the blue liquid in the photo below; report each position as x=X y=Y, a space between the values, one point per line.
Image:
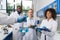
x=24 y=30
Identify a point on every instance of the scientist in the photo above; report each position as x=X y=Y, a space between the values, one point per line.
x=31 y=34
x=12 y=19
x=17 y=14
x=50 y=23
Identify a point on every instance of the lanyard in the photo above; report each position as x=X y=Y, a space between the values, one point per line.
x=45 y=37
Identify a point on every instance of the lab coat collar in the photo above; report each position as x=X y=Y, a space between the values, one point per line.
x=30 y=19
x=18 y=14
x=50 y=20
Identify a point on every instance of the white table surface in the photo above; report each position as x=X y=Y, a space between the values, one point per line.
x=2 y=35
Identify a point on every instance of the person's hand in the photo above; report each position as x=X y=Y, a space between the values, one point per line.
x=38 y=29
x=21 y=19
x=45 y=29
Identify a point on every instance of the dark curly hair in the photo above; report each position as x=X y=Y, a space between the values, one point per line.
x=53 y=13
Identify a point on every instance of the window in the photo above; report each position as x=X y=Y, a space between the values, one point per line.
x=11 y=5
x=2 y=5
x=17 y=2
x=26 y=5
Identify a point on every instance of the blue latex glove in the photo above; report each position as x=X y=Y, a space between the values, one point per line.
x=46 y=29
x=23 y=30
x=38 y=29
x=22 y=19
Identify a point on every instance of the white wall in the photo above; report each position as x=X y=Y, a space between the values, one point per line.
x=3 y=3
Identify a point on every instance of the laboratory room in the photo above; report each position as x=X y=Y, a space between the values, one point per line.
x=29 y=19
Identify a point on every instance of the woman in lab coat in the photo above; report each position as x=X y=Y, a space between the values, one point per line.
x=31 y=34
x=50 y=23
x=16 y=34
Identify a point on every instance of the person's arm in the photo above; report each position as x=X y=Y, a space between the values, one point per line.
x=53 y=30
x=5 y=19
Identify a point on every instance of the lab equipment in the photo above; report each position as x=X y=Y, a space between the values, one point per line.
x=37 y=23
x=5 y=30
x=40 y=13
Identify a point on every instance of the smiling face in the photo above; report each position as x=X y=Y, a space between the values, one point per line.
x=19 y=9
x=48 y=15
x=30 y=13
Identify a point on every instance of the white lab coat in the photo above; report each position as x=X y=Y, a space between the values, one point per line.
x=16 y=34
x=51 y=25
x=31 y=34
